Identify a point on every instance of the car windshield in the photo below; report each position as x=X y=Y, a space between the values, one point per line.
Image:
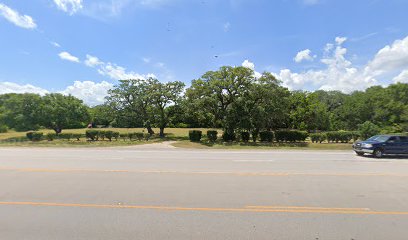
x=379 y=138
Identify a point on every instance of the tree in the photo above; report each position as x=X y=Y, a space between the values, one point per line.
x=20 y=111
x=216 y=92
x=147 y=101
x=368 y=129
x=102 y=115
x=132 y=99
x=60 y=112
x=163 y=96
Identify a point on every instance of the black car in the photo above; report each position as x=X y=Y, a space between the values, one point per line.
x=382 y=144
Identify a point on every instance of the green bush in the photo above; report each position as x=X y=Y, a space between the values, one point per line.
x=77 y=136
x=266 y=136
x=66 y=136
x=318 y=137
x=124 y=136
x=245 y=136
x=108 y=135
x=340 y=136
x=291 y=136
x=212 y=135
x=195 y=135
x=102 y=135
x=93 y=135
x=3 y=129
x=229 y=136
x=51 y=136
x=368 y=129
x=34 y=136
x=116 y=135
x=255 y=135
x=139 y=135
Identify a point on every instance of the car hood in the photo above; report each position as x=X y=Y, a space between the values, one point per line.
x=368 y=142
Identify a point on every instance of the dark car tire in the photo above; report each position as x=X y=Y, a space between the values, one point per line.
x=360 y=154
x=378 y=153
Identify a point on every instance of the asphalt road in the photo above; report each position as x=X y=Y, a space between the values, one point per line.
x=164 y=193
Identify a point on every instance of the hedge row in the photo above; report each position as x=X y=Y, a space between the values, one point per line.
x=265 y=136
x=338 y=136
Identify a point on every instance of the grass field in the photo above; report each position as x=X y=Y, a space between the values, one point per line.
x=180 y=135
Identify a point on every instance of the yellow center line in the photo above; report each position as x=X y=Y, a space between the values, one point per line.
x=208 y=209
x=270 y=174
x=308 y=208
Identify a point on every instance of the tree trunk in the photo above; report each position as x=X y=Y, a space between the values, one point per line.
x=150 y=130
x=162 y=132
x=57 y=130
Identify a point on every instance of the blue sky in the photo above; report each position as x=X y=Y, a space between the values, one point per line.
x=82 y=47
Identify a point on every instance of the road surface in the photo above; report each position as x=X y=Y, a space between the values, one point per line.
x=149 y=192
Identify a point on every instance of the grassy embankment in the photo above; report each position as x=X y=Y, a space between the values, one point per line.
x=180 y=135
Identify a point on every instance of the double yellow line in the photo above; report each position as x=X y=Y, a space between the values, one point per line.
x=247 y=209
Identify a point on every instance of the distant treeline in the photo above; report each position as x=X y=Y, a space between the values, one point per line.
x=231 y=99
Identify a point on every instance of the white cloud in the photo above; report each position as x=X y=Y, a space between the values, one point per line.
x=251 y=65
x=402 y=77
x=90 y=92
x=69 y=6
x=390 y=59
x=119 y=73
x=338 y=73
x=55 y=44
x=9 y=87
x=13 y=16
x=146 y=60
x=67 y=56
x=340 y=40
x=114 y=71
x=92 y=61
x=390 y=63
x=303 y=56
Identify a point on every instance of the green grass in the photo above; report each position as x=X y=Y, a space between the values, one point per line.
x=180 y=135
x=18 y=139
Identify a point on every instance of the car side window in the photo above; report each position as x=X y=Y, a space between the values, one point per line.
x=392 y=140
x=404 y=139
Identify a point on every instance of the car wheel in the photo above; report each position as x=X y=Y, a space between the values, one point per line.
x=360 y=154
x=378 y=153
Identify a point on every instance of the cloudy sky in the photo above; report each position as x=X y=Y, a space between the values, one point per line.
x=82 y=47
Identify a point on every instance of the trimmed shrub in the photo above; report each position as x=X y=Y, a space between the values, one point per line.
x=108 y=135
x=212 y=135
x=66 y=136
x=51 y=136
x=102 y=135
x=291 y=136
x=116 y=135
x=255 y=135
x=229 y=136
x=77 y=136
x=195 y=135
x=139 y=135
x=34 y=136
x=318 y=137
x=266 y=136
x=124 y=136
x=3 y=129
x=339 y=136
x=93 y=135
x=245 y=136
